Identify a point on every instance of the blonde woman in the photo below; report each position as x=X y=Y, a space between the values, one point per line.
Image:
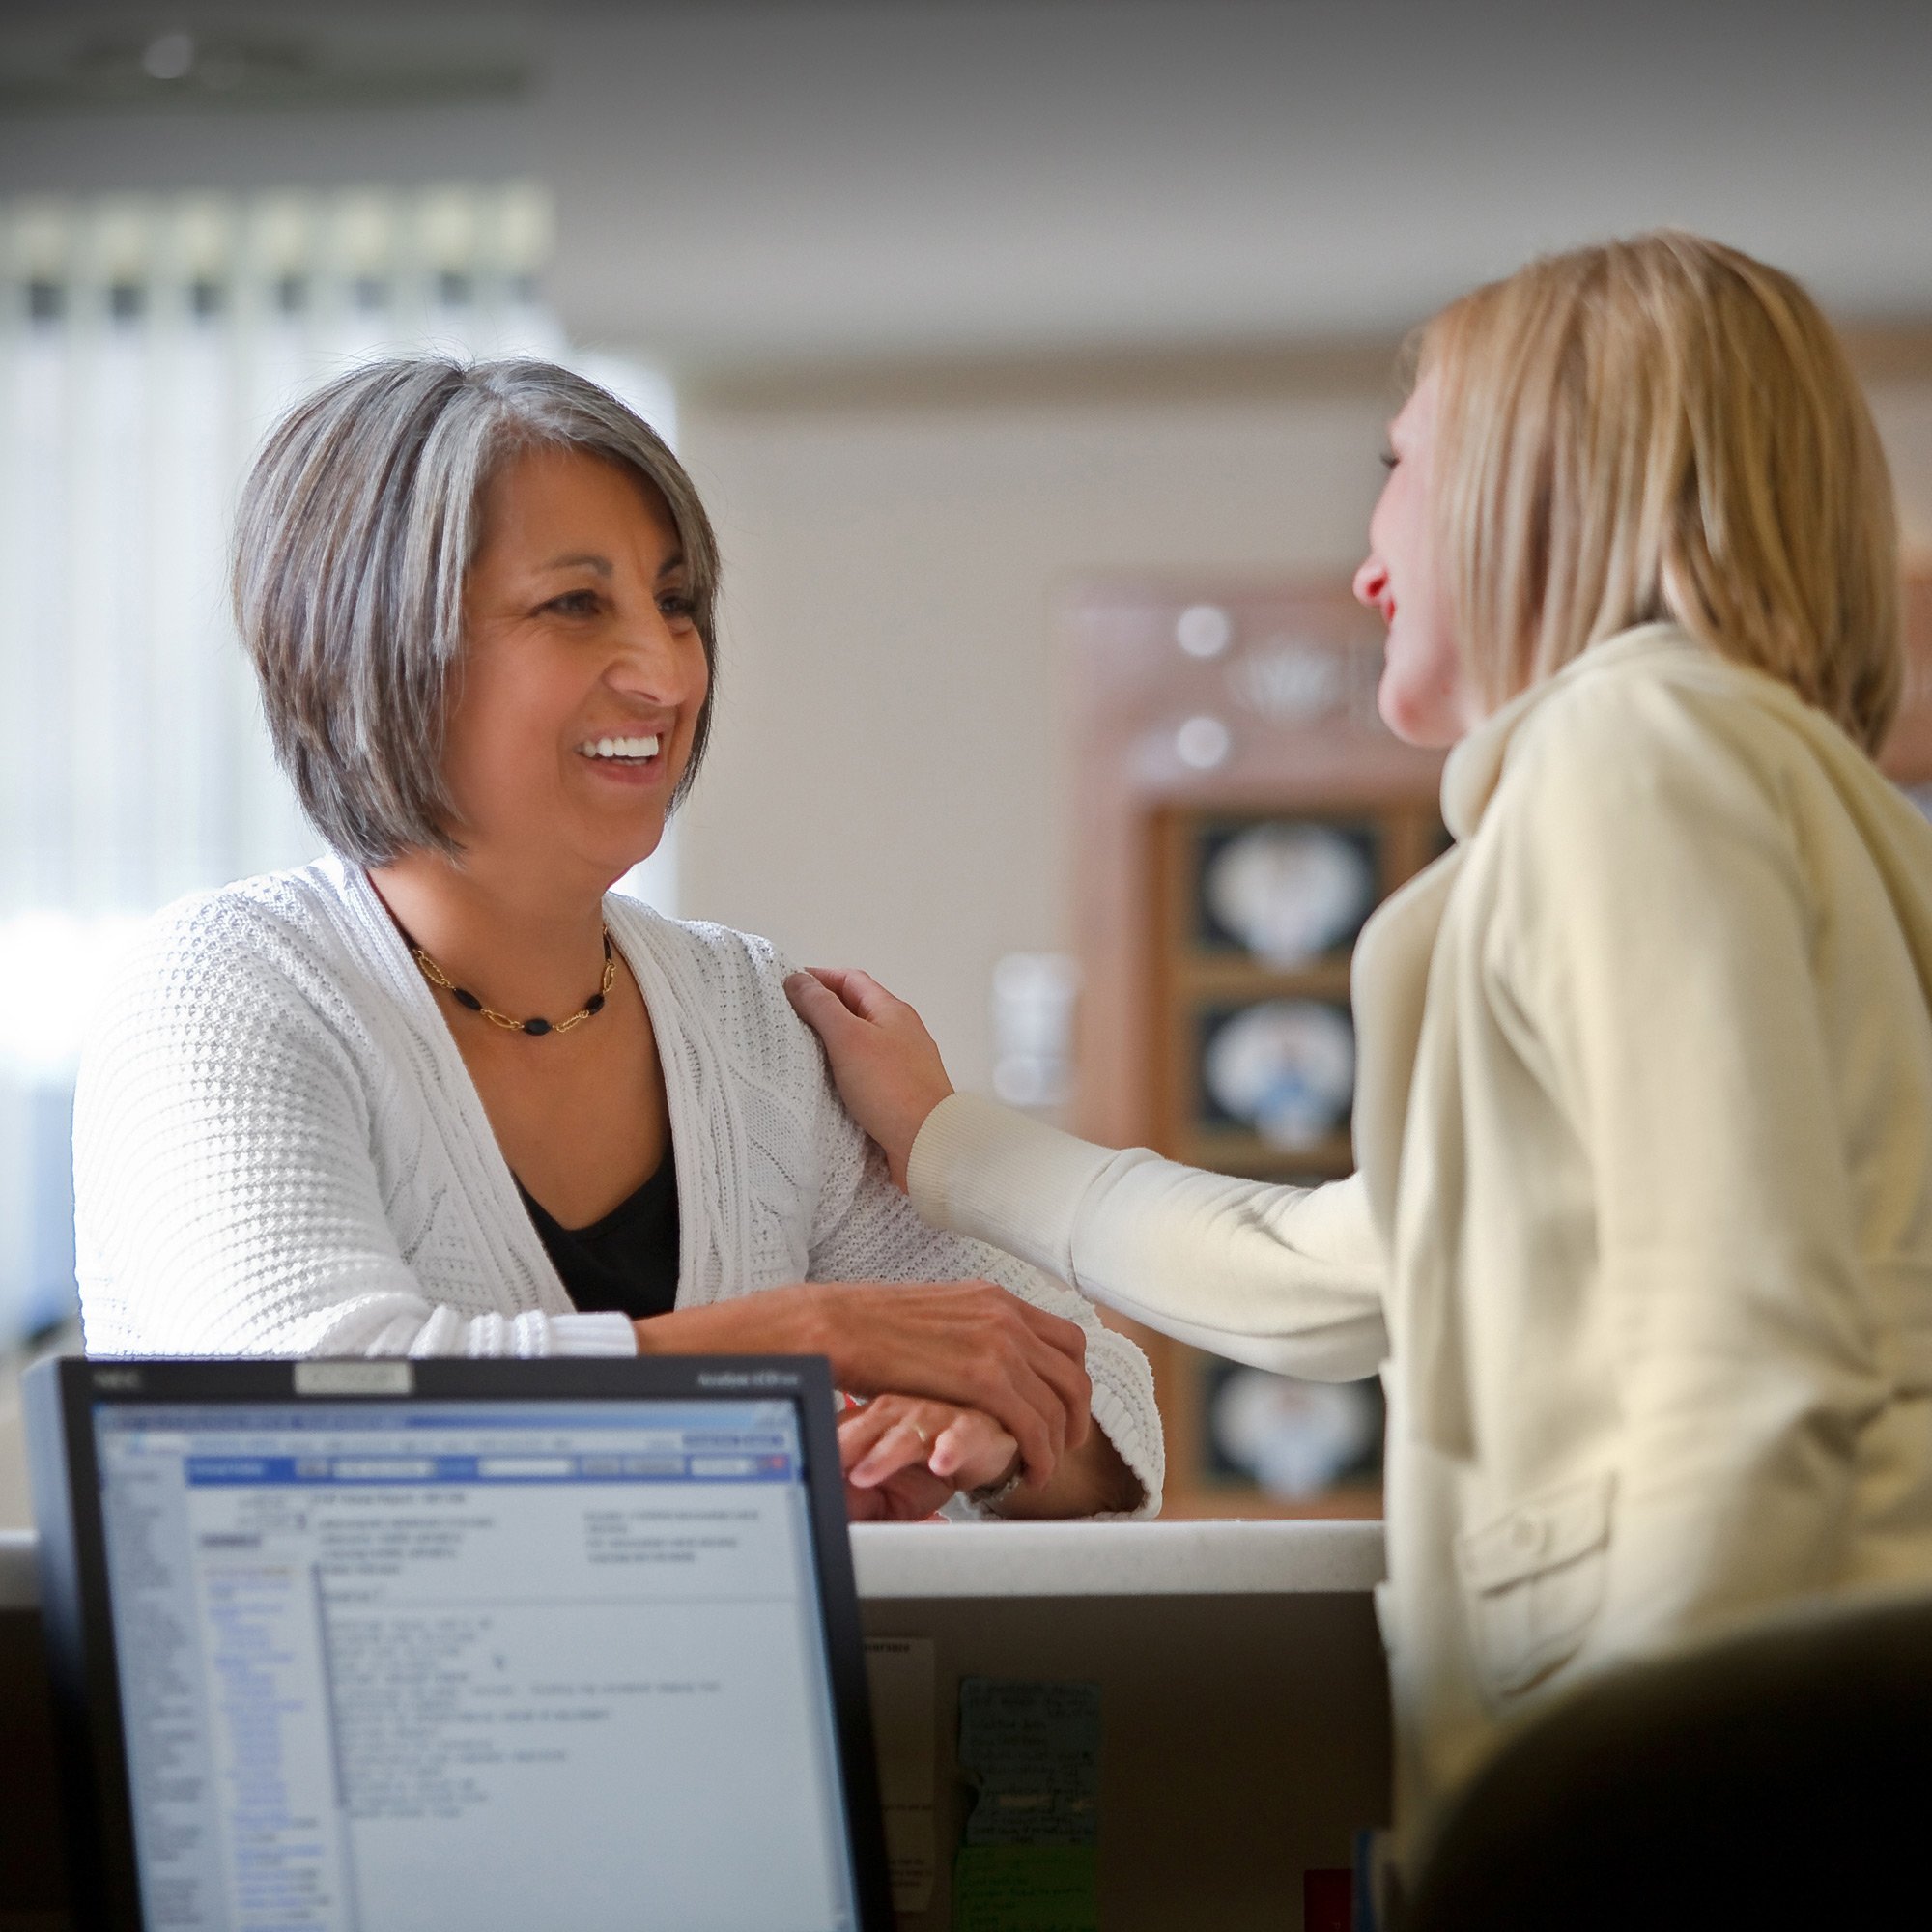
x=441 y=1093
x=1643 y=1221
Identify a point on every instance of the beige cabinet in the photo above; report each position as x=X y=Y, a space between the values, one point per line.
x=1242 y=808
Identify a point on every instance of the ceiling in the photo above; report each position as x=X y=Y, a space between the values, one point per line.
x=742 y=185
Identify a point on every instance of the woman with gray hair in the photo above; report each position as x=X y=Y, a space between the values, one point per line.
x=441 y=1093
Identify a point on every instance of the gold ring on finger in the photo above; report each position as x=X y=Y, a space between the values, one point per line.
x=924 y=1441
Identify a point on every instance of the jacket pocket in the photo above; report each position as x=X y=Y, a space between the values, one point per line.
x=1534 y=1580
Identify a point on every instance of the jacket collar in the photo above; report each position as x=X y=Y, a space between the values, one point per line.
x=1475 y=766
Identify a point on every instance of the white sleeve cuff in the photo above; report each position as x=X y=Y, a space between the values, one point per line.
x=606 y=1332
x=1137 y=1438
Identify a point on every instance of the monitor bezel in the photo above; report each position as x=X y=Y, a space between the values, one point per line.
x=59 y=1398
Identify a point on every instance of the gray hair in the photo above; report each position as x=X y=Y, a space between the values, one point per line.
x=358 y=528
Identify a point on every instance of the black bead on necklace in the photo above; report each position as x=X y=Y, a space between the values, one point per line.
x=464 y=997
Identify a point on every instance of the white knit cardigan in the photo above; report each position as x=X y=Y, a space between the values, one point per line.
x=278 y=1151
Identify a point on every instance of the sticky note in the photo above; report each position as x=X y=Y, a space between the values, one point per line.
x=1328 y=1899
x=1033 y=1752
x=1026 y=1888
x=899 y=1670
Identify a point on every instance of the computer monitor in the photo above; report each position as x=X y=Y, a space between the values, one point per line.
x=367 y=1646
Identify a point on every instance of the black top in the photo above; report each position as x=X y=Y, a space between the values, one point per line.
x=627 y=1261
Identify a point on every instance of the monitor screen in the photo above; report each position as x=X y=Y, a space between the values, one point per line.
x=398 y=1664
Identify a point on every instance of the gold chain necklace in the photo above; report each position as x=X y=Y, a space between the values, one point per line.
x=464 y=997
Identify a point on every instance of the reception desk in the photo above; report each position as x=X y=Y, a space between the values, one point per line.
x=1242 y=1694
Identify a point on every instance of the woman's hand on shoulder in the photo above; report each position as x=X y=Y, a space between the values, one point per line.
x=888 y=1070
x=903 y=1457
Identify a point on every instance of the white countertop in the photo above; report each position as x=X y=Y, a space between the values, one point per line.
x=1039 y=1559
x=1115 y=1560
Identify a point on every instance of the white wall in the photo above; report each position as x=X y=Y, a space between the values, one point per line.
x=888 y=783
x=888 y=780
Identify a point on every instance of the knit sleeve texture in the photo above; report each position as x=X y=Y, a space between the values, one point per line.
x=234 y=1193
x=858 y=1226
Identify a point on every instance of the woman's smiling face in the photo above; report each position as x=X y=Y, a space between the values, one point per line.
x=583 y=674
x=1426 y=696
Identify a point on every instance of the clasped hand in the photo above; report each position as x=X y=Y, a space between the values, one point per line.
x=966 y=1345
x=903 y=1457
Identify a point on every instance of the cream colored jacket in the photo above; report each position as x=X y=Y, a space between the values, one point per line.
x=1643 y=1222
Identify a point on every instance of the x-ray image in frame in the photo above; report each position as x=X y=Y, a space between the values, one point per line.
x=1284 y=892
x=1281 y=1069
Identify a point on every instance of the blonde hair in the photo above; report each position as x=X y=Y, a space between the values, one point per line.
x=1663 y=429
